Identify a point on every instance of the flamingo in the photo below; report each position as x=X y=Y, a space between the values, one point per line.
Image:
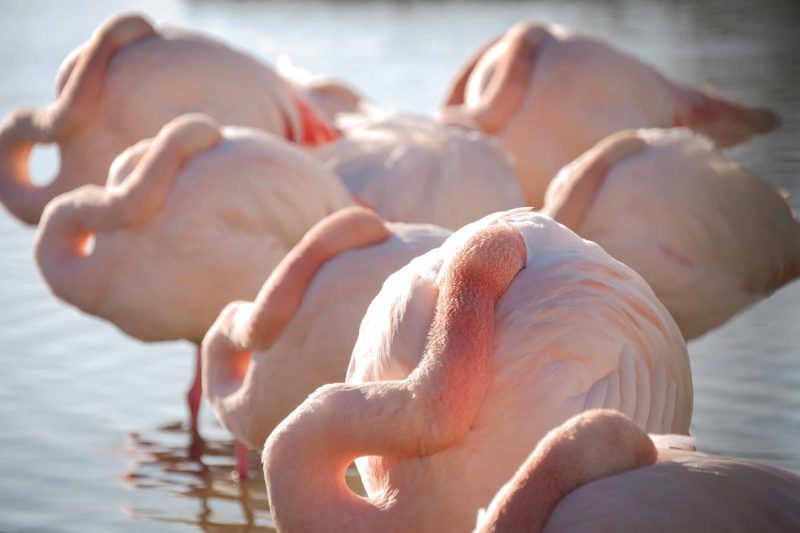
x=407 y=168
x=707 y=235
x=467 y=357
x=188 y=221
x=122 y=86
x=550 y=94
x=261 y=359
x=600 y=472
x=415 y=169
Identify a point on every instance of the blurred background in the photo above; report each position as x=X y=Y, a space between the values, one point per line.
x=92 y=434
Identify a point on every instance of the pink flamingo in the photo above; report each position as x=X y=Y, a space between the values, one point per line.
x=550 y=94
x=261 y=359
x=122 y=86
x=600 y=472
x=408 y=168
x=187 y=222
x=708 y=236
x=453 y=378
x=414 y=169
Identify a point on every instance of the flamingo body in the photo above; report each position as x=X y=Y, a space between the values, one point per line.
x=690 y=492
x=708 y=236
x=558 y=92
x=600 y=472
x=575 y=330
x=175 y=243
x=413 y=169
x=314 y=347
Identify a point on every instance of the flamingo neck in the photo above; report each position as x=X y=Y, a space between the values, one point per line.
x=60 y=247
x=24 y=199
x=576 y=194
x=305 y=458
x=233 y=384
x=72 y=219
x=590 y=446
x=19 y=134
x=527 y=501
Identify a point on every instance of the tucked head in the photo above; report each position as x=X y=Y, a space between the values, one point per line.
x=200 y=215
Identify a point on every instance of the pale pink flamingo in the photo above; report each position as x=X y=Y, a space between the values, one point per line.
x=452 y=382
x=187 y=222
x=122 y=86
x=261 y=359
x=551 y=94
x=408 y=168
x=415 y=169
x=708 y=236
x=600 y=472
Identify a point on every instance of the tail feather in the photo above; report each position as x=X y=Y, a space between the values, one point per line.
x=724 y=121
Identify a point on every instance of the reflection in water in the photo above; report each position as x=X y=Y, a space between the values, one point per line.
x=180 y=461
x=185 y=464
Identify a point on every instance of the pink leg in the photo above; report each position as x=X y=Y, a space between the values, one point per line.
x=195 y=393
x=242 y=460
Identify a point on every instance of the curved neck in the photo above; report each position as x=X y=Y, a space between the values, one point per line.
x=526 y=503
x=590 y=446
x=338 y=424
x=73 y=218
x=507 y=88
x=282 y=294
x=60 y=249
x=73 y=109
x=23 y=199
x=233 y=387
x=569 y=203
x=456 y=93
x=18 y=136
x=427 y=412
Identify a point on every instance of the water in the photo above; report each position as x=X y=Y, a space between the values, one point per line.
x=92 y=436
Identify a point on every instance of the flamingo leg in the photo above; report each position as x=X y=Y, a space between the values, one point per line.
x=242 y=460
x=195 y=393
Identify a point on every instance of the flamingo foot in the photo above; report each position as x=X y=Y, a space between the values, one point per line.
x=242 y=461
x=195 y=393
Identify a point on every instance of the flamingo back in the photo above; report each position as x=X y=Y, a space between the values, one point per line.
x=413 y=169
x=709 y=237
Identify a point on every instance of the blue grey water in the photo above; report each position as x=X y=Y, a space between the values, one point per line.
x=91 y=435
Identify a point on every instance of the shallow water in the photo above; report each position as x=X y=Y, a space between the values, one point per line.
x=92 y=436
